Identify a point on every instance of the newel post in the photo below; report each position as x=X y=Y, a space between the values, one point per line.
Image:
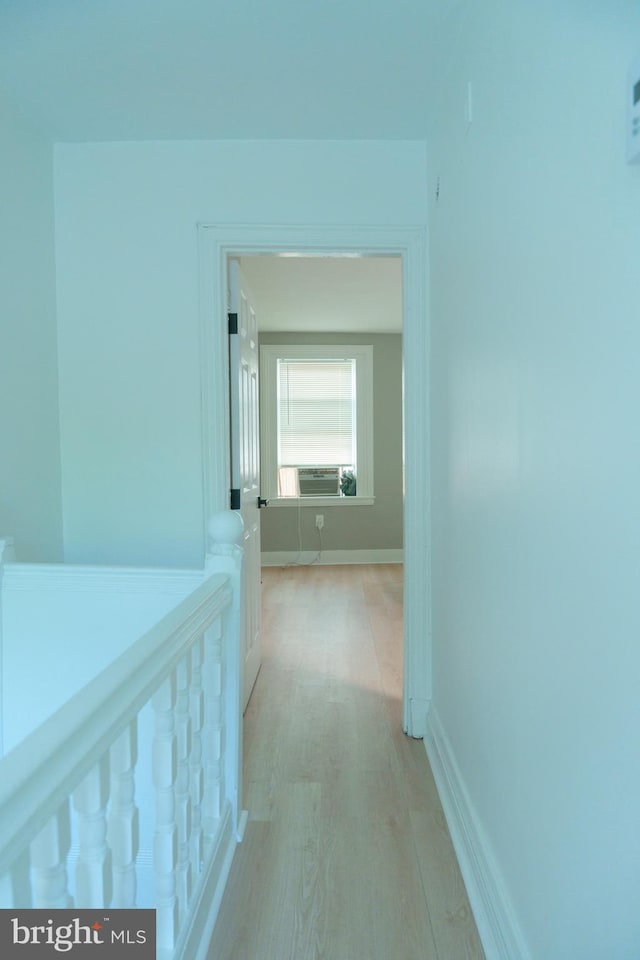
x=225 y=555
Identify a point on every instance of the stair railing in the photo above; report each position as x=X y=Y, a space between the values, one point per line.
x=151 y=747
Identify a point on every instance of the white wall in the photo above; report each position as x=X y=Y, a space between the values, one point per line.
x=30 y=504
x=126 y=218
x=535 y=270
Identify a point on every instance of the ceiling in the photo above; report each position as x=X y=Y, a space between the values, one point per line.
x=94 y=70
x=331 y=294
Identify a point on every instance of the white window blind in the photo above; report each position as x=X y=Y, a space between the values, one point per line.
x=316 y=412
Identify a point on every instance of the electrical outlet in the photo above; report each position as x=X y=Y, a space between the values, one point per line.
x=319 y=521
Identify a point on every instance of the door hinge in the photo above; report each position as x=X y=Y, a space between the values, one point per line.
x=233 y=323
x=235 y=498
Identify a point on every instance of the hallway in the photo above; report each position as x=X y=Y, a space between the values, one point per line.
x=346 y=855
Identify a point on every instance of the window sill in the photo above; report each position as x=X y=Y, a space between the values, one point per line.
x=322 y=501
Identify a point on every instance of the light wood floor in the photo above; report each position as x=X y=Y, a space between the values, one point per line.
x=346 y=855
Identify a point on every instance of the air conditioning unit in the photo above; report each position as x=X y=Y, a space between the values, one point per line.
x=319 y=481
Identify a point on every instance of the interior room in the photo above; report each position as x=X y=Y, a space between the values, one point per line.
x=326 y=301
x=500 y=139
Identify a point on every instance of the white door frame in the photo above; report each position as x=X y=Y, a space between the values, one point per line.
x=216 y=242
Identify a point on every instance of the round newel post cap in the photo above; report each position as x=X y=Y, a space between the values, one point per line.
x=225 y=527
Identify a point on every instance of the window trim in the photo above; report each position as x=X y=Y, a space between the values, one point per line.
x=362 y=353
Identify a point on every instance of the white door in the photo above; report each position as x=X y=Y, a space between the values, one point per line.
x=245 y=462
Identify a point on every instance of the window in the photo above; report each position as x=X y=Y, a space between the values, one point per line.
x=316 y=423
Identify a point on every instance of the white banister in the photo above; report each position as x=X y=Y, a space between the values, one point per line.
x=16 y=886
x=128 y=795
x=213 y=729
x=40 y=773
x=225 y=531
x=123 y=822
x=183 y=798
x=196 y=779
x=48 y=858
x=93 y=866
x=165 y=841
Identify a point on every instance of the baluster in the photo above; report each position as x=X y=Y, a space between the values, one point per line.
x=196 y=779
x=213 y=745
x=225 y=555
x=165 y=837
x=183 y=799
x=48 y=856
x=93 y=869
x=7 y=896
x=15 y=884
x=122 y=825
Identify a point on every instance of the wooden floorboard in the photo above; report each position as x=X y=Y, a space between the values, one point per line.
x=346 y=854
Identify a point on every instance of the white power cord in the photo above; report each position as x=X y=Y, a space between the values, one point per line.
x=298 y=562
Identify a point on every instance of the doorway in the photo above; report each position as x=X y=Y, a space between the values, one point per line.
x=216 y=243
x=335 y=321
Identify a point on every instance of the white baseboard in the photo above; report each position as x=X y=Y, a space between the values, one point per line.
x=194 y=944
x=417 y=717
x=285 y=558
x=494 y=914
